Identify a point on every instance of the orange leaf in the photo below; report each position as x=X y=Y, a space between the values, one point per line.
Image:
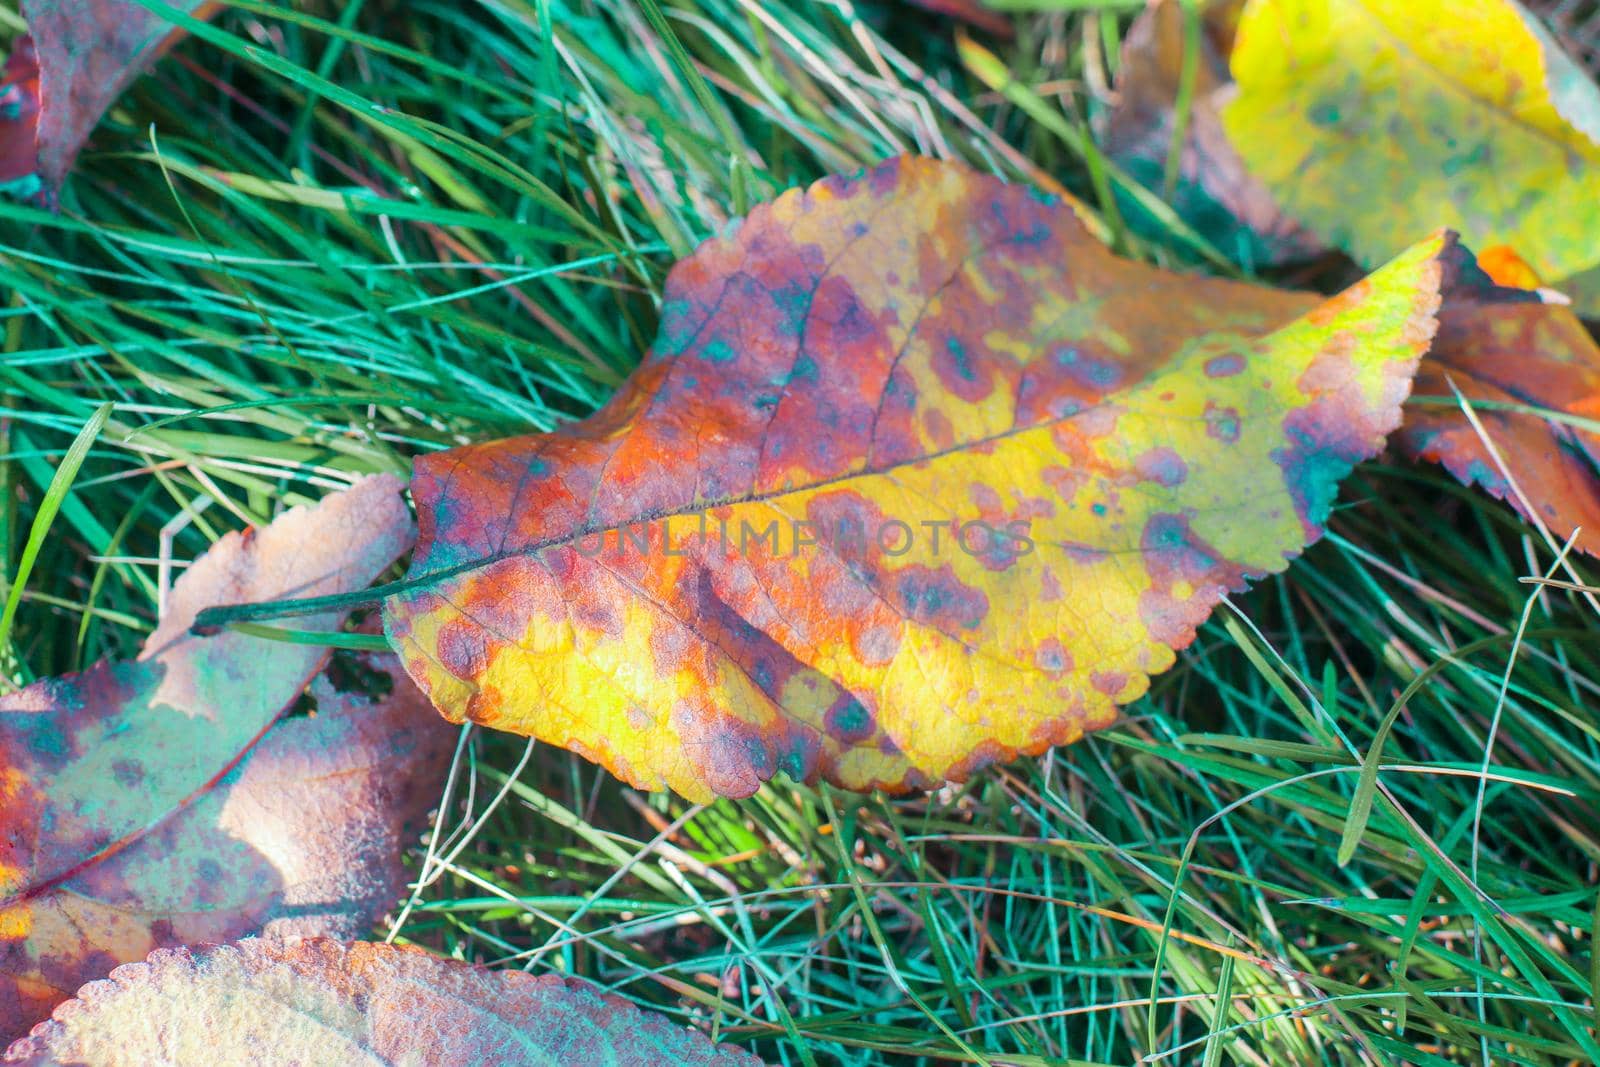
x=322 y=1001
x=1507 y=268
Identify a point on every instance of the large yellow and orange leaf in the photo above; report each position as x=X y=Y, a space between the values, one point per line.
x=918 y=345
x=1375 y=121
x=320 y=1001
x=159 y=802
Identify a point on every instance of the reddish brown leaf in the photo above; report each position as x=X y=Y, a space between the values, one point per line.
x=86 y=53
x=154 y=802
x=19 y=117
x=322 y=1001
x=1512 y=359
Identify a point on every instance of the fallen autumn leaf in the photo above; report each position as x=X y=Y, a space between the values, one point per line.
x=323 y=1001
x=162 y=801
x=84 y=54
x=919 y=344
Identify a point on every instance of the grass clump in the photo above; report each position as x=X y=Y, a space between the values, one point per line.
x=1358 y=823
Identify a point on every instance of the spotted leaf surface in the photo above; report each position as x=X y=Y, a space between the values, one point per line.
x=84 y=54
x=1374 y=121
x=746 y=562
x=159 y=801
x=317 y=1000
x=1531 y=373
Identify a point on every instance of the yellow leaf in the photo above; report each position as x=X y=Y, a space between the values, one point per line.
x=1376 y=121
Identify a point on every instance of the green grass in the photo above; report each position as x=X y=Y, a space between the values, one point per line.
x=319 y=240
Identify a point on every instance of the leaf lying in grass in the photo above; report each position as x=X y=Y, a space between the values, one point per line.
x=154 y=802
x=1374 y=121
x=304 y=836
x=1214 y=192
x=919 y=345
x=88 y=52
x=1508 y=356
x=322 y=1001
